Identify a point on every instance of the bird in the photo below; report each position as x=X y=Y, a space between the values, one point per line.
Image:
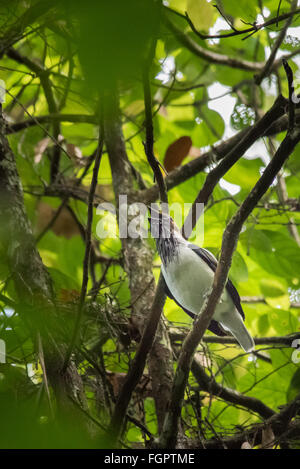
x=188 y=272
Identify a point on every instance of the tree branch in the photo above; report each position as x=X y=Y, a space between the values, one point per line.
x=252 y=29
x=282 y=425
x=210 y=385
x=75 y=118
x=149 y=134
x=286 y=340
x=261 y=299
x=267 y=67
x=211 y=56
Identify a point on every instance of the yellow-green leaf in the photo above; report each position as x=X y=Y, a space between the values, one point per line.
x=201 y=14
x=271 y=287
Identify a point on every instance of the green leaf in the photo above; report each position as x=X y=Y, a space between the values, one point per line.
x=272 y=287
x=293 y=389
x=208 y=129
x=241 y=9
x=62 y=281
x=201 y=14
x=238 y=270
x=283 y=322
x=245 y=172
x=263 y=324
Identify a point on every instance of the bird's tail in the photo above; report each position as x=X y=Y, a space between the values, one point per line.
x=239 y=331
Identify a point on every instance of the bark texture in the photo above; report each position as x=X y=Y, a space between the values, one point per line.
x=32 y=283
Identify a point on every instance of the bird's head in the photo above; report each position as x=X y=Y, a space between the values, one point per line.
x=166 y=233
x=162 y=225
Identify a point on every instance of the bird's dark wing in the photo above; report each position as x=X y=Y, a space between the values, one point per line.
x=207 y=257
x=213 y=326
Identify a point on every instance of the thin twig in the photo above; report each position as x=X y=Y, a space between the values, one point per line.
x=249 y=31
x=280 y=423
x=290 y=79
x=275 y=48
x=277 y=14
x=155 y=166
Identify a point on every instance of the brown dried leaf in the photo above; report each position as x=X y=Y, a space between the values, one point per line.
x=176 y=152
x=64 y=225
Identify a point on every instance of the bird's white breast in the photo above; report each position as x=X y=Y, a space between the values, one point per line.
x=189 y=279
